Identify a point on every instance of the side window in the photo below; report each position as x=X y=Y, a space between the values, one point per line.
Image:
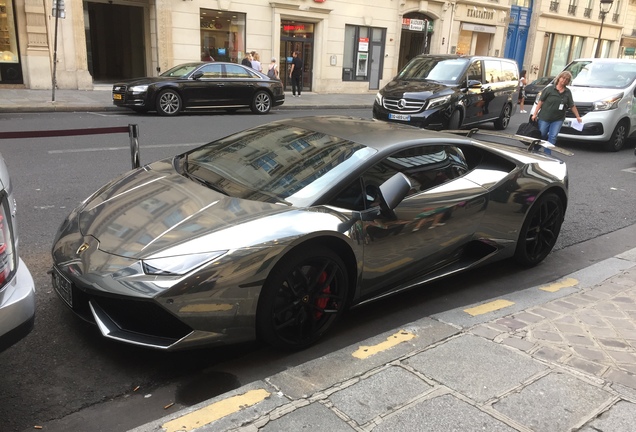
x=235 y=71
x=494 y=73
x=509 y=71
x=426 y=167
x=351 y=197
x=212 y=71
x=474 y=71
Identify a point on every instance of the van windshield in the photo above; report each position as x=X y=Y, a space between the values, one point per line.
x=603 y=74
x=444 y=70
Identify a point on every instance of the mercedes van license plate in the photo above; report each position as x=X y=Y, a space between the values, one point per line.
x=402 y=117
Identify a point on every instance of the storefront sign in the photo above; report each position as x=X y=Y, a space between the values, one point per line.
x=363 y=44
x=417 y=25
x=479 y=28
x=481 y=14
x=629 y=51
x=293 y=27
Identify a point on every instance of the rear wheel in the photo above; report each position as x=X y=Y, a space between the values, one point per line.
x=169 y=103
x=262 y=103
x=540 y=230
x=617 y=140
x=302 y=298
x=502 y=122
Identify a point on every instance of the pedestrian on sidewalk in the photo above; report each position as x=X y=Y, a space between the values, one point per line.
x=247 y=60
x=256 y=62
x=272 y=70
x=554 y=103
x=296 y=74
x=522 y=91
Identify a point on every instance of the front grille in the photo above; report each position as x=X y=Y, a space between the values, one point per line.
x=583 y=109
x=403 y=106
x=119 y=89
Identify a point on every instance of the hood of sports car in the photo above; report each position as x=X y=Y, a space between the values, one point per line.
x=155 y=209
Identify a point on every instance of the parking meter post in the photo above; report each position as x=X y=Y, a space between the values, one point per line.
x=133 y=133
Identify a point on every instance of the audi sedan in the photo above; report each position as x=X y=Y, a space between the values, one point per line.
x=273 y=232
x=201 y=86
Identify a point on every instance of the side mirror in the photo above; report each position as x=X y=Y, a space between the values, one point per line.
x=392 y=192
x=197 y=75
x=474 y=84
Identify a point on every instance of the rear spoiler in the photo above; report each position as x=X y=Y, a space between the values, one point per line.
x=533 y=144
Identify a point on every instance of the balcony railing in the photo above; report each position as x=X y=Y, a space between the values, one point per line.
x=587 y=12
x=615 y=17
x=572 y=9
x=554 y=6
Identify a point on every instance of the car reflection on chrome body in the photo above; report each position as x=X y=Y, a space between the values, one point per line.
x=272 y=232
x=201 y=86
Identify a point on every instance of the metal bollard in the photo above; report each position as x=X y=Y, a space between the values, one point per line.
x=133 y=133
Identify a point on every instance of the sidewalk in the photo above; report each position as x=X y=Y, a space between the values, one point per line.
x=100 y=99
x=565 y=364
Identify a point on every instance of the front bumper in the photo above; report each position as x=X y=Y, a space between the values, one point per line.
x=436 y=119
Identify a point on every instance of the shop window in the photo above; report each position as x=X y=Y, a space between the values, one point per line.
x=222 y=35
x=8 y=43
x=358 y=51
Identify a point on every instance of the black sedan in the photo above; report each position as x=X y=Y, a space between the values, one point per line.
x=201 y=85
x=274 y=231
x=535 y=87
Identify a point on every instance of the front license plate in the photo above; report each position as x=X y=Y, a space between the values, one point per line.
x=63 y=287
x=117 y=96
x=402 y=117
x=567 y=123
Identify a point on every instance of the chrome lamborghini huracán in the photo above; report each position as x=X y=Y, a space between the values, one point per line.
x=274 y=231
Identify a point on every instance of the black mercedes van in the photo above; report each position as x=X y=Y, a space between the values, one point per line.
x=450 y=92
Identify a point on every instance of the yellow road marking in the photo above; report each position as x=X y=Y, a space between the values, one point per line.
x=393 y=340
x=565 y=283
x=488 y=307
x=210 y=413
x=212 y=307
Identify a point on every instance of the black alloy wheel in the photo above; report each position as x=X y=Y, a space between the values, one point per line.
x=540 y=230
x=302 y=298
x=502 y=122
x=262 y=102
x=169 y=103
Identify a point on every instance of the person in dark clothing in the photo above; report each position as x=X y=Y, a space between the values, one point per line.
x=247 y=60
x=296 y=74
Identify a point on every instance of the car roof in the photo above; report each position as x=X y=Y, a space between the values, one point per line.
x=375 y=134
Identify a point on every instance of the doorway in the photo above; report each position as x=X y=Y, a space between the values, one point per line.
x=115 y=41
x=297 y=36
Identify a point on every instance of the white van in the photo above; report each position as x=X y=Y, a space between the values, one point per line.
x=604 y=93
x=17 y=290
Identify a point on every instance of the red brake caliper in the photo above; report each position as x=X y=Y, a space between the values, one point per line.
x=321 y=303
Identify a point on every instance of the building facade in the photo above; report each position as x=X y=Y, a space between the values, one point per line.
x=350 y=46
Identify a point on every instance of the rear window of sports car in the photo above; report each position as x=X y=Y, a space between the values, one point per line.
x=275 y=163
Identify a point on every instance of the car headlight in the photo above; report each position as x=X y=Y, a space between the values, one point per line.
x=438 y=101
x=378 y=98
x=178 y=265
x=139 y=88
x=608 y=103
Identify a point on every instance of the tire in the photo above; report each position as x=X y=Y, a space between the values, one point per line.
x=540 y=230
x=262 y=103
x=455 y=121
x=618 y=138
x=302 y=298
x=502 y=122
x=169 y=103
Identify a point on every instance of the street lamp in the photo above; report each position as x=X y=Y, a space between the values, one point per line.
x=606 y=5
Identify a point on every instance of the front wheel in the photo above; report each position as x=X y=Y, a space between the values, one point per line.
x=262 y=103
x=504 y=119
x=540 y=230
x=455 y=121
x=302 y=298
x=617 y=140
x=169 y=103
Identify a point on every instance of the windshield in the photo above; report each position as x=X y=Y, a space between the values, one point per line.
x=542 y=81
x=603 y=74
x=275 y=163
x=443 y=70
x=180 y=71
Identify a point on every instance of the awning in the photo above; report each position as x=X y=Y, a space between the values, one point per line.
x=479 y=28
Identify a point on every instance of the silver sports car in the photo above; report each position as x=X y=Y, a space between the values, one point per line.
x=274 y=231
